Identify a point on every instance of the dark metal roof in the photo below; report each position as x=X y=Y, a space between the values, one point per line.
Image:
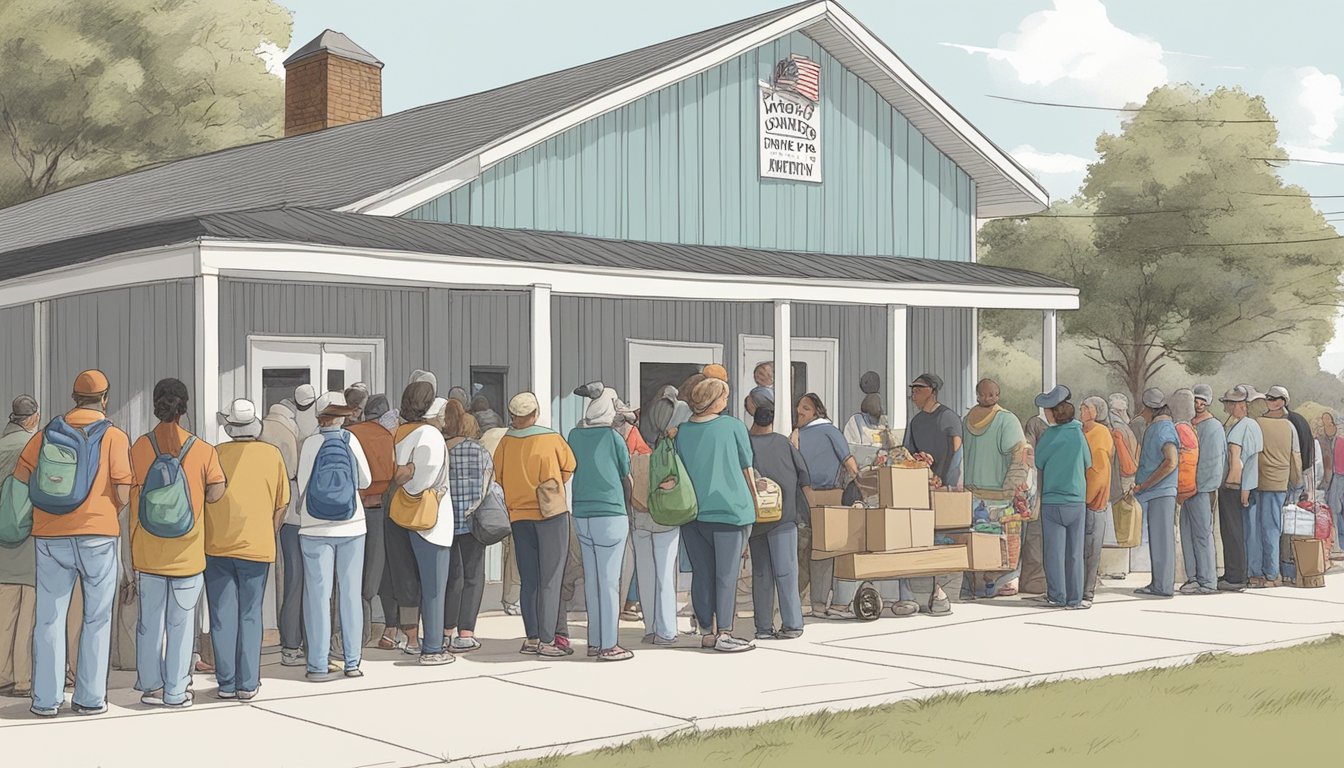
x=354 y=230
x=336 y=44
x=338 y=166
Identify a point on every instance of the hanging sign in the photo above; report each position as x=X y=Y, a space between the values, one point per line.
x=790 y=122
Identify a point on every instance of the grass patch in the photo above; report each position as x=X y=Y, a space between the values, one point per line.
x=1231 y=710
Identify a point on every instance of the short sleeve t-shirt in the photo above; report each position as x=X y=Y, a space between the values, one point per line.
x=97 y=516
x=824 y=450
x=185 y=555
x=1157 y=435
x=241 y=524
x=1212 y=455
x=603 y=461
x=932 y=433
x=715 y=453
x=776 y=458
x=1246 y=435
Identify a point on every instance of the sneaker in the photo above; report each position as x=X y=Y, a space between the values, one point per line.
x=411 y=649
x=904 y=608
x=247 y=695
x=648 y=639
x=83 y=711
x=838 y=613
x=293 y=657
x=436 y=659
x=530 y=647
x=553 y=651
x=1190 y=588
x=593 y=652
x=226 y=695
x=729 y=644
x=354 y=672
x=1228 y=586
x=512 y=609
x=788 y=634
x=1083 y=606
x=155 y=699
x=664 y=640
x=322 y=677
x=562 y=642
x=768 y=635
x=463 y=644
x=45 y=712
x=1206 y=591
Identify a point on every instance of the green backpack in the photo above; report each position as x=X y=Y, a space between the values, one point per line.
x=674 y=505
x=16 y=513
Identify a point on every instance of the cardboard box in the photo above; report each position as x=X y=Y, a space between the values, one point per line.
x=951 y=509
x=1310 y=556
x=895 y=565
x=985 y=551
x=893 y=529
x=831 y=498
x=838 y=530
x=1309 y=581
x=902 y=488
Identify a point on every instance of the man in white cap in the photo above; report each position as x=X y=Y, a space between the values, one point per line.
x=305 y=396
x=240 y=547
x=1155 y=489
x=1306 y=443
x=1280 y=473
x=1197 y=549
x=1244 y=443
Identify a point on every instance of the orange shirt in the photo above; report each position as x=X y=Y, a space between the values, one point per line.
x=379 y=448
x=185 y=555
x=97 y=516
x=1099 y=474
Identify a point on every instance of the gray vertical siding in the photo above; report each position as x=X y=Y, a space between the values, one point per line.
x=588 y=337
x=396 y=315
x=862 y=332
x=135 y=335
x=16 y=349
x=470 y=328
x=942 y=341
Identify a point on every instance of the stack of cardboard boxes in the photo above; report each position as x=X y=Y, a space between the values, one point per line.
x=895 y=539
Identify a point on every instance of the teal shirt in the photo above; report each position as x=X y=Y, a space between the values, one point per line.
x=715 y=452
x=603 y=464
x=1063 y=457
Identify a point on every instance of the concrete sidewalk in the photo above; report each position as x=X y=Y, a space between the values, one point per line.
x=495 y=705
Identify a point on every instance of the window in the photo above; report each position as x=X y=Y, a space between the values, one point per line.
x=279 y=383
x=491 y=382
x=652 y=378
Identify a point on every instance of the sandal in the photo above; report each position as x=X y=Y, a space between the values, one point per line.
x=387 y=645
x=1007 y=591
x=615 y=654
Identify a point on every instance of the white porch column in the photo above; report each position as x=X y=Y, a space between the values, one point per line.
x=541 y=351
x=1049 y=352
x=975 y=360
x=207 y=358
x=783 y=367
x=41 y=320
x=898 y=364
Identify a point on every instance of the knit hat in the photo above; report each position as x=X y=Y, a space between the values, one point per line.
x=1154 y=398
x=23 y=407
x=90 y=383
x=376 y=407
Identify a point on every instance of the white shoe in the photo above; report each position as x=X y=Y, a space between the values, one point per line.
x=730 y=644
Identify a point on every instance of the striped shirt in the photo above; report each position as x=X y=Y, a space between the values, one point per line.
x=469 y=463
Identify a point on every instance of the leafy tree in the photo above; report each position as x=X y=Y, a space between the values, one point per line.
x=96 y=88
x=1184 y=243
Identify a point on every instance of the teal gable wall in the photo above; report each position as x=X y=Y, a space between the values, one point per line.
x=681 y=165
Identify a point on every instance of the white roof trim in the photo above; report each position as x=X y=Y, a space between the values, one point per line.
x=1032 y=196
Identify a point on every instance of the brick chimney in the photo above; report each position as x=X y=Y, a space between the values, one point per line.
x=331 y=81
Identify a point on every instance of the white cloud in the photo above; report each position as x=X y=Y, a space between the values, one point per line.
x=1050 y=162
x=1321 y=96
x=1314 y=154
x=274 y=57
x=1076 y=44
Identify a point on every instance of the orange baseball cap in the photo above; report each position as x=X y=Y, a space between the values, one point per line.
x=89 y=383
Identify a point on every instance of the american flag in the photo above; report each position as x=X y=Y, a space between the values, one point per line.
x=800 y=75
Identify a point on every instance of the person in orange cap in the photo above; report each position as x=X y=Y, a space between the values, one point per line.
x=78 y=472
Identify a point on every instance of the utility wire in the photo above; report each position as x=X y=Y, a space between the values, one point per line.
x=1219 y=120
x=1294 y=160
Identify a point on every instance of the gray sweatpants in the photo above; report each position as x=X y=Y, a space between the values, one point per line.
x=1094 y=533
x=1159 y=516
x=291 y=594
x=1197 y=540
x=542 y=547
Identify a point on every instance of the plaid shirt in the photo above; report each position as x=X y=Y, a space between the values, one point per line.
x=468 y=465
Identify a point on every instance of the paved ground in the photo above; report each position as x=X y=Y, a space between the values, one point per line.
x=496 y=705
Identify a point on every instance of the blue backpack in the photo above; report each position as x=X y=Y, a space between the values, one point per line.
x=165 y=499
x=66 y=466
x=330 y=494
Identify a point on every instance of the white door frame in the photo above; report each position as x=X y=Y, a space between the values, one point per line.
x=752 y=347
x=376 y=382
x=640 y=351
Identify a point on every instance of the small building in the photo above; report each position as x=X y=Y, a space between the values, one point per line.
x=779 y=188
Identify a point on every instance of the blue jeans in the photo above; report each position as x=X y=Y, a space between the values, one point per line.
x=1262 y=534
x=541 y=548
x=1063 y=532
x=165 y=633
x=234 y=590
x=328 y=561
x=715 y=550
x=433 y=562
x=1197 y=540
x=1159 y=517
x=656 y=559
x=774 y=570
x=602 y=543
x=1334 y=497
x=94 y=560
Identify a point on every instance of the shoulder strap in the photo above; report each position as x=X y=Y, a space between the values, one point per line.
x=153 y=443
x=186 y=447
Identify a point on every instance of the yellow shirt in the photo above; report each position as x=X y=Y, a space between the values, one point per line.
x=523 y=461
x=242 y=523
x=185 y=555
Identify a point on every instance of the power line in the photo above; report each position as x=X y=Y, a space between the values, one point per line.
x=1294 y=160
x=1292 y=194
x=1219 y=120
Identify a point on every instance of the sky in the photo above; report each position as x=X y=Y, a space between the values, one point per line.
x=1088 y=52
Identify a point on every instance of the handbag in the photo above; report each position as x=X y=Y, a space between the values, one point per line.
x=770 y=502
x=414 y=513
x=490 y=519
x=1127 y=515
x=551 y=501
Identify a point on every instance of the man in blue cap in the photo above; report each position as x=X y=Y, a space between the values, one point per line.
x=1063 y=457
